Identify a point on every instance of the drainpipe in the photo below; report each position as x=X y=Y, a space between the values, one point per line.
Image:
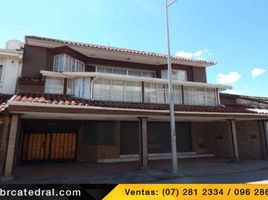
x=91 y=87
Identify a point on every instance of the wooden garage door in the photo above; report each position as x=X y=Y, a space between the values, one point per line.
x=49 y=146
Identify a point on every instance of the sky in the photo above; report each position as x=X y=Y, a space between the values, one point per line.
x=234 y=33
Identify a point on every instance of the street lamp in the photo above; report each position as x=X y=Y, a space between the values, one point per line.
x=171 y=103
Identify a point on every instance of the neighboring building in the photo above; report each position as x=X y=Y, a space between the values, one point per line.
x=82 y=102
x=10 y=66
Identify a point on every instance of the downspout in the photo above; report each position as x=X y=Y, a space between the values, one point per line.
x=91 y=86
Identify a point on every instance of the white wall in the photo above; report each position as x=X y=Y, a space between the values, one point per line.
x=11 y=71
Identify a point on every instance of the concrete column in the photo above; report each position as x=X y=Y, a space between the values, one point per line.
x=234 y=140
x=9 y=164
x=264 y=138
x=143 y=143
x=4 y=141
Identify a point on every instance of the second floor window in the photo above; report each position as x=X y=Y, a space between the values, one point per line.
x=178 y=75
x=66 y=63
x=54 y=86
x=123 y=71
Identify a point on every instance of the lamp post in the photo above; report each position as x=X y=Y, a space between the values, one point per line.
x=171 y=103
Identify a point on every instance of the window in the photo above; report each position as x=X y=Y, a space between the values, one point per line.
x=54 y=86
x=1 y=72
x=158 y=93
x=200 y=96
x=65 y=63
x=117 y=90
x=178 y=75
x=79 y=87
x=123 y=71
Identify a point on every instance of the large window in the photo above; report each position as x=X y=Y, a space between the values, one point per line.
x=123 y=71
x=66 y=63
x=79 y=87
x=54 y=86
x=117 y=90
x=158 y=93
x=200 y=96
x=178 y=75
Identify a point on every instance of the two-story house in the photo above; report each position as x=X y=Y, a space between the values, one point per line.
x=89 y=103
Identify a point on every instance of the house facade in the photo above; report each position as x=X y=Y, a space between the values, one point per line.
x=78 y=102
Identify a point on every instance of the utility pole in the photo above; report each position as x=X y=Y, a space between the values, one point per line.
x=171 y=103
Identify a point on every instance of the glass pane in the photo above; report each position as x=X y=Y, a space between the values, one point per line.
x=134 y=73
x=117 y=90
x=106 y=90
x=150 y=93
x=97 y=92
x=161 y=93
x=119 y=71
x=86 y=88
x=70 y=86
x=54 y=86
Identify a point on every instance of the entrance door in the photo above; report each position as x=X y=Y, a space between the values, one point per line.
x=49 y=146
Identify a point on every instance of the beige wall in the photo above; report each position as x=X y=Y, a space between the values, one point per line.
x=212 y=137
x=218 y=139
x=249 y=139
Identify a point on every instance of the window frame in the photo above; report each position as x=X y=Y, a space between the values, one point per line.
x=127 y=70
x=164 y=74
x=67 y=63
x=47 y=87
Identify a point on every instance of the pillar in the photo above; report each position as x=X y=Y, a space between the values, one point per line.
x=234 y=142
x=143 y=143
x=9 y=163
x=4 y=141
x=264 y=138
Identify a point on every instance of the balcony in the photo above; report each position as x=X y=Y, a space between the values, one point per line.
x=120 y=88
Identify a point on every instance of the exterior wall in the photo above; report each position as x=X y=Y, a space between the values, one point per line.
x=199 y=74
x=218 y=141
x=11 y=71
x=87 y=152
x=212 y=137
x=1 y=135
x=199 y=137
x=26 y=88
x=249 y=139
x=34 y=60
x=39 y=58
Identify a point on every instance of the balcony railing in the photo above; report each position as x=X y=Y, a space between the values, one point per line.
x=110 y=87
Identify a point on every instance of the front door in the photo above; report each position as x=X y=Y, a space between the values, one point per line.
x=49 y=146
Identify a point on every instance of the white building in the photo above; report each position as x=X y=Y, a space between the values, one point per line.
x=10 y=66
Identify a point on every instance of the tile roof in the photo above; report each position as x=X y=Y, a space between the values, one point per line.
x=124 y=50
x=31 y=80
x=252 y=98
x=3 y=101
x=68 y=100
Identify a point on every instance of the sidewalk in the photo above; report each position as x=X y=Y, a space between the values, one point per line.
x=190 y=171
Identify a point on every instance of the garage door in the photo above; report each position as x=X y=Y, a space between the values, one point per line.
x=49 y=146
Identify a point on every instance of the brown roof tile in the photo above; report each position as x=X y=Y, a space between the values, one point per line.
x=3 y=101
x=117 y=49
x=68 y=100
x=31 y=80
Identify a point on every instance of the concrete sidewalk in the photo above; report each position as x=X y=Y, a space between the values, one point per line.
x=191 y=171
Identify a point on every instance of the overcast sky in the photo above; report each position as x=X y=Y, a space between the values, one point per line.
x=233 y=33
